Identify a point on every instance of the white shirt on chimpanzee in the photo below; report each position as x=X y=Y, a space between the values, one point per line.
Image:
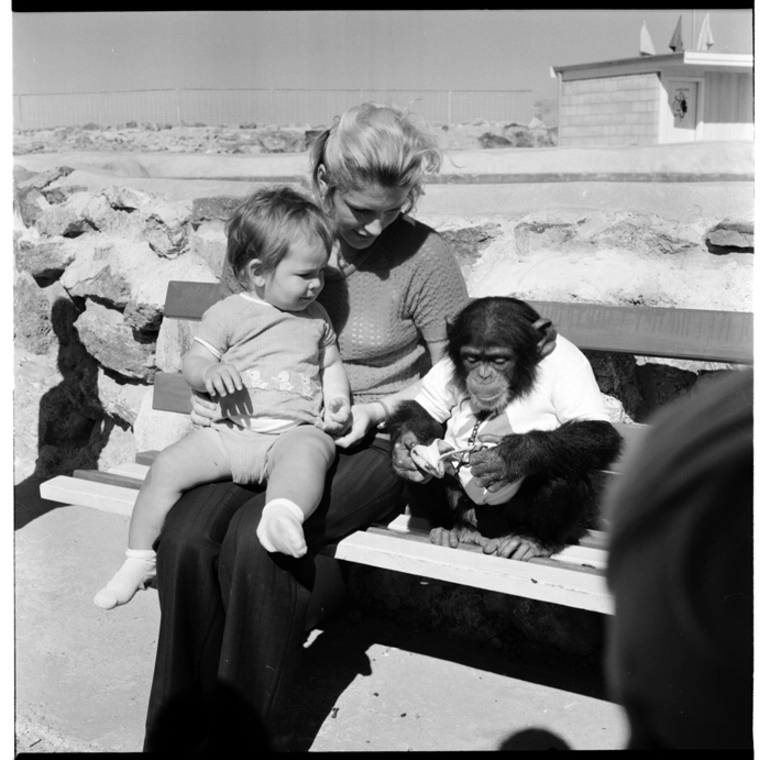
x=565 y=389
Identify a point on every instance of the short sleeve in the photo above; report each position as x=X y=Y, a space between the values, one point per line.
x=437 y=290
x=575 y=392
x=436 y=393
x=214 y=329
x=328 y=336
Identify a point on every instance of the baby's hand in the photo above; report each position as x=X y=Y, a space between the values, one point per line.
x=222 y=379
x=337 y=416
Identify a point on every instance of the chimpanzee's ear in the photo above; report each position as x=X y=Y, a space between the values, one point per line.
x=547 y=342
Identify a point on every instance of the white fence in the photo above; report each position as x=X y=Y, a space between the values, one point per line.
x=224 y=107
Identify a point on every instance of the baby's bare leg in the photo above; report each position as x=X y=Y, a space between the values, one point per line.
x=297 y=466
x=197 y=458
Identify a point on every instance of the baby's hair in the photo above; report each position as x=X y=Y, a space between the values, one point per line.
x=374 y=144
x=267 y=223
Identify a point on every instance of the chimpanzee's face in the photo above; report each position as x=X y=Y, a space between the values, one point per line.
x=488 y=375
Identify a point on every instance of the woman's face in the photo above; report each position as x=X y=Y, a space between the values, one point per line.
x=362 y=215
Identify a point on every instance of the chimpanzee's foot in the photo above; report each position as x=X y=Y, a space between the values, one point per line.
x=455 y=536
x=516 y=547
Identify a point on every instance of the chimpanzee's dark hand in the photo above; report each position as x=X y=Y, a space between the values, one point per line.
x=402 y=461
x=489 y=465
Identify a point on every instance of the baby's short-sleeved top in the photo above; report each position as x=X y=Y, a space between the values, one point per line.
x=565 y=389
x=277 y=354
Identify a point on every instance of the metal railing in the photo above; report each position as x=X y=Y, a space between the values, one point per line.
x=260 y=107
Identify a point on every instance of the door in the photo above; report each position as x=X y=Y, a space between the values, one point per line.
x=681 y=116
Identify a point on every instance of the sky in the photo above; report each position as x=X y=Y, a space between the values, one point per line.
x=468 y=49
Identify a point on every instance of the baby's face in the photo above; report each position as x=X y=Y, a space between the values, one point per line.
x=298 y=278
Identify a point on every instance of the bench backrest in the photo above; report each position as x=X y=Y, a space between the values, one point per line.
x=695 y=334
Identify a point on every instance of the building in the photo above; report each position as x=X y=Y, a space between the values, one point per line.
x=656 y=99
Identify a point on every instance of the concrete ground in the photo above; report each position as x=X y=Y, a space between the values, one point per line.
x=83 y=674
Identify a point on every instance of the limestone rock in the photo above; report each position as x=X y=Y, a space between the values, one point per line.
x=209 y=242
x=532 y=235
x=61 y=194
x=31 y=315
x=731 y=234
x=122 y=400
x=616 y=258
x=166 y=226
x=44 y=258
x=111 y=342
x=468 y=241
x=31 y=206
x=66 y=219
x=116 y=446
x=41 y=180
x=128 y=275
x=111 y=221
x=126 y=198
x=644 y=234
x=489 y=140
x=154 y=430
x=219 y=208
x=98 y=272
x=175 y=338
x=279 y=141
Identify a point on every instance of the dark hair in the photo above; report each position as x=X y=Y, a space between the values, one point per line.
x=267 y=223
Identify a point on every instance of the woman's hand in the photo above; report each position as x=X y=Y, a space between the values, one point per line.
x=204 y=410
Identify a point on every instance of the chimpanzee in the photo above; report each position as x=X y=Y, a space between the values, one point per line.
x=525 y=426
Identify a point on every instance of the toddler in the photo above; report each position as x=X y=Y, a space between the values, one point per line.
x=269 y=356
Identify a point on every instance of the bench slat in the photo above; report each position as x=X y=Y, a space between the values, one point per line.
x=111 y=478
x=188 y=300
x=696 y=334
x=131 y=469
x=171 y=393
x=571 y=586
x=86 y=493
x=589 y=553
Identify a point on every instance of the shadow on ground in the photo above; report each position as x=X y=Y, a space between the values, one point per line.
x=337 y=656
x=28 y=505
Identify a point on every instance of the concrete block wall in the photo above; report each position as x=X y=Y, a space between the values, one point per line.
x=607 y=111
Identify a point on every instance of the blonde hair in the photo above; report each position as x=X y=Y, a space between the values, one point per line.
x=372 y=144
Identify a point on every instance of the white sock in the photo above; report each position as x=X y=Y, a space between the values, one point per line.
x=136 y=572
x=280 y=529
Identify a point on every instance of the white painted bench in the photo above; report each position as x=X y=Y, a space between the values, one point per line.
x=575 y=577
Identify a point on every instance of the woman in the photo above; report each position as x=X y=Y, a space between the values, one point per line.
x=232 y=614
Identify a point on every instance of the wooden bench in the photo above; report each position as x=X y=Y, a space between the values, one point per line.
x=575 y=577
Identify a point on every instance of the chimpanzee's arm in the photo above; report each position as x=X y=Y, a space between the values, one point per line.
x=572 y=450
x=409 y=416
